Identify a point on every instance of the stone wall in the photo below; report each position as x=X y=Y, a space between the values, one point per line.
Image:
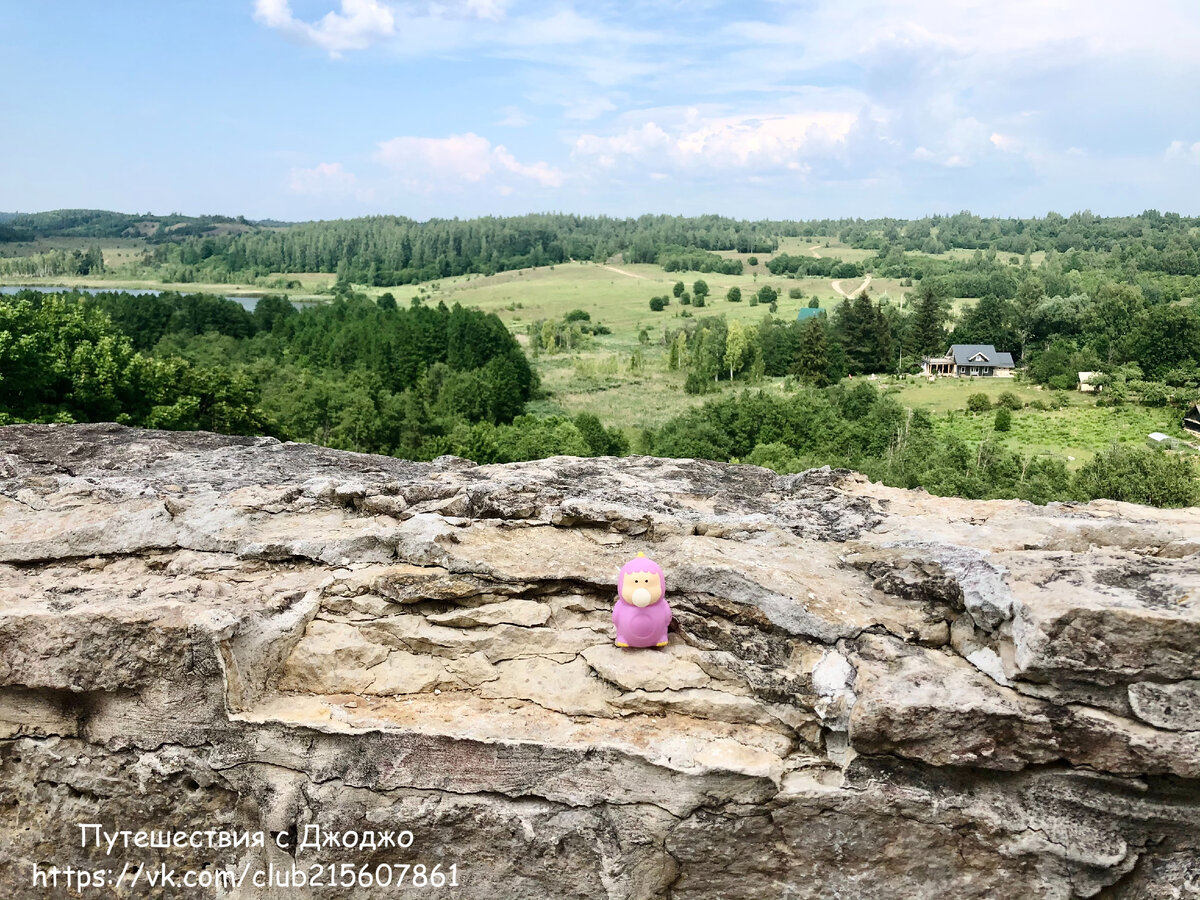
x=869 y=692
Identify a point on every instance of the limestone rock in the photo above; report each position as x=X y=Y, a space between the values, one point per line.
x=868 y=692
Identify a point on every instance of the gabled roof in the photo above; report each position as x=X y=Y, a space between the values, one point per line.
x=980 y=355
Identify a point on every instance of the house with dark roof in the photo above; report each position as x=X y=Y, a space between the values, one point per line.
x=970 y=360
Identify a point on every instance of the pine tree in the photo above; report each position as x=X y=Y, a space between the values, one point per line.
x=812 y=356
x=927 y=324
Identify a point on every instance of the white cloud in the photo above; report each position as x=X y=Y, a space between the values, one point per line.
x=487 y=9
x=1181 y=150
x=422 y=162
x=1005 y=142
x=976 y=29
x=539 y=171
x=359 y=24
x=325 y=179
x=745 y=142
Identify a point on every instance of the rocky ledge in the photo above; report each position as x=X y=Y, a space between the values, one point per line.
x=868 y=692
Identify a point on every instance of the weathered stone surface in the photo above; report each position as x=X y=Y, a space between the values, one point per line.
x=868 y=693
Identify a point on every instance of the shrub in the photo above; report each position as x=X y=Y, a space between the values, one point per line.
x=795 y=293
x=979 y=403
x=734 y=295
x=1003 y=419
x=1009 y=400
x=657 y=304
x=1139 y=475
x=753 y=260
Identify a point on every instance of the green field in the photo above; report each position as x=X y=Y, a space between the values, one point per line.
x=627 y=383
x=1077 y=432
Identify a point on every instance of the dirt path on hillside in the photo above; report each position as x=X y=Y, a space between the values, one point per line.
x=623 y=272
x=837 y=286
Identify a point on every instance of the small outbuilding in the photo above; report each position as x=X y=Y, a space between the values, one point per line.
x=1087 y=382
x=1191 y=419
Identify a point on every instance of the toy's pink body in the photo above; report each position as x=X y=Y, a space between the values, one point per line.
x=642 y=626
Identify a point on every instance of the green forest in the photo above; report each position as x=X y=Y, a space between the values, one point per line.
x=422 y=378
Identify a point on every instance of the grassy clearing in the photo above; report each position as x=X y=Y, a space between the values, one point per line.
x=825 y=246
x=1076 y=432
x=619 y=301
x=951 y=393
x=627 y=383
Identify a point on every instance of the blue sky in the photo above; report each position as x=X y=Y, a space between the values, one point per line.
x=299 y=109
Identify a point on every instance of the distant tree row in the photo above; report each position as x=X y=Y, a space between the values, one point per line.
x=387 y=250
x=54 y=263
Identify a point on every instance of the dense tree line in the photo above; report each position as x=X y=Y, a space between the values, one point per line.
x=823 y=267
x=684 y=259
x=387 y=250
x=100 y=223
x=54 y=263
x=350 y=374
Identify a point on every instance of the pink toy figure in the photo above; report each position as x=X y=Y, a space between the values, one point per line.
x=641 y=613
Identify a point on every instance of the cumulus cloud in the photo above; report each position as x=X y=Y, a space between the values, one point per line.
x=740 y=143
x=325 y=179
x=359 y=24
x=968 y=98
x=428 y=162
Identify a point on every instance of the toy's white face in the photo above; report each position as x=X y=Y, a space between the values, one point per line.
x=641 y=588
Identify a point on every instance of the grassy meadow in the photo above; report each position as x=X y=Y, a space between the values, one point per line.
x=626 y=382
x=623 y=377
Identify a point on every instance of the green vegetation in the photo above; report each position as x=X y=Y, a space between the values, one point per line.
x=348 y=375
x=1064 y=295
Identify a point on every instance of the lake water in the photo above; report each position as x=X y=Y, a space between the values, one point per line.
x=243 y=301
